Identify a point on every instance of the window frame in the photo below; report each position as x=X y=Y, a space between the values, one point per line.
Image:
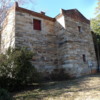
x=80 y=29
x=84 y=57
x=37 y=24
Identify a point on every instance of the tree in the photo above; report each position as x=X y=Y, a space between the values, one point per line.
x=6 y=4
x=95 y=22
x=16 y=69
x=5 y=95
x=95 y=25
x=98 y=8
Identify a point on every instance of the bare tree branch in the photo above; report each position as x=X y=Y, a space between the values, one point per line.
x=6 y=4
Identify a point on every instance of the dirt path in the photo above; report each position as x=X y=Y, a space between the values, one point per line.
x=84 y=88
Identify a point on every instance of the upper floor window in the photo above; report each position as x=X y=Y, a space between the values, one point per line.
x=79 y=29
x=36 y=24
x=84 y=58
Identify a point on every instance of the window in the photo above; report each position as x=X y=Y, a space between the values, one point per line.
x=79 y=29
x=36 y=24
x=84 y=58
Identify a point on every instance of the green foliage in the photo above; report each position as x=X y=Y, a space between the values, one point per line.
x=95 y=22
x=16 y=68
x=95 y=25
x=59 y=74
x=4 y=95
x=98 y=7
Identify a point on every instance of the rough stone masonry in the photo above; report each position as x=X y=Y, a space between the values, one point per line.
x=61 y=42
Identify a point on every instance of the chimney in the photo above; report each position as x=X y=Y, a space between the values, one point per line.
x=16 y=4
x=62 y=11
x=43 y=13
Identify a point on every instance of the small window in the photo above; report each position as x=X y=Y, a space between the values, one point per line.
x=79 y=29
x=84 y=58
x=36 y=24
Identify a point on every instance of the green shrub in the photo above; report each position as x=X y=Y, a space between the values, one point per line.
x=59 y=74
x=4 y=95
x=16 y=68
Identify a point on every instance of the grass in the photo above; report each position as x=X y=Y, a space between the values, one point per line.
x=84 y=88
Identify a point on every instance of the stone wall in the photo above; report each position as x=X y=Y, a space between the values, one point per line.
x=41 y=42
x=73 y=45
x=62 y=42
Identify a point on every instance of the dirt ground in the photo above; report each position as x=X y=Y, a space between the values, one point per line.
x=84 y=88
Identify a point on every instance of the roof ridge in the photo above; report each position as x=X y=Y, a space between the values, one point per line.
x=37 y=14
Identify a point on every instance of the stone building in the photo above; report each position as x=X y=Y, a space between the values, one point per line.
x=61 y=42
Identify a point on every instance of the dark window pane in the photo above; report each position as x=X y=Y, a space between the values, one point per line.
x=84 y=58
x=36 y=24
x=79 y=28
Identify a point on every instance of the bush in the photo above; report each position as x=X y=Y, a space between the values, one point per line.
x=16 y=68
x=4 y=95
x=59 y=74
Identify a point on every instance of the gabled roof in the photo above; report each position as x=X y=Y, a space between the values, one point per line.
x=72 y=13
x=76 y=15
x=40 y=15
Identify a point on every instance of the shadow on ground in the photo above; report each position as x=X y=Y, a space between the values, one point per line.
x=56 y=89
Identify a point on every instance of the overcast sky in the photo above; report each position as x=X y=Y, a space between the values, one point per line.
x=52 y=7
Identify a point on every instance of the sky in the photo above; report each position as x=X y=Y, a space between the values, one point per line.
x=52 y=7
